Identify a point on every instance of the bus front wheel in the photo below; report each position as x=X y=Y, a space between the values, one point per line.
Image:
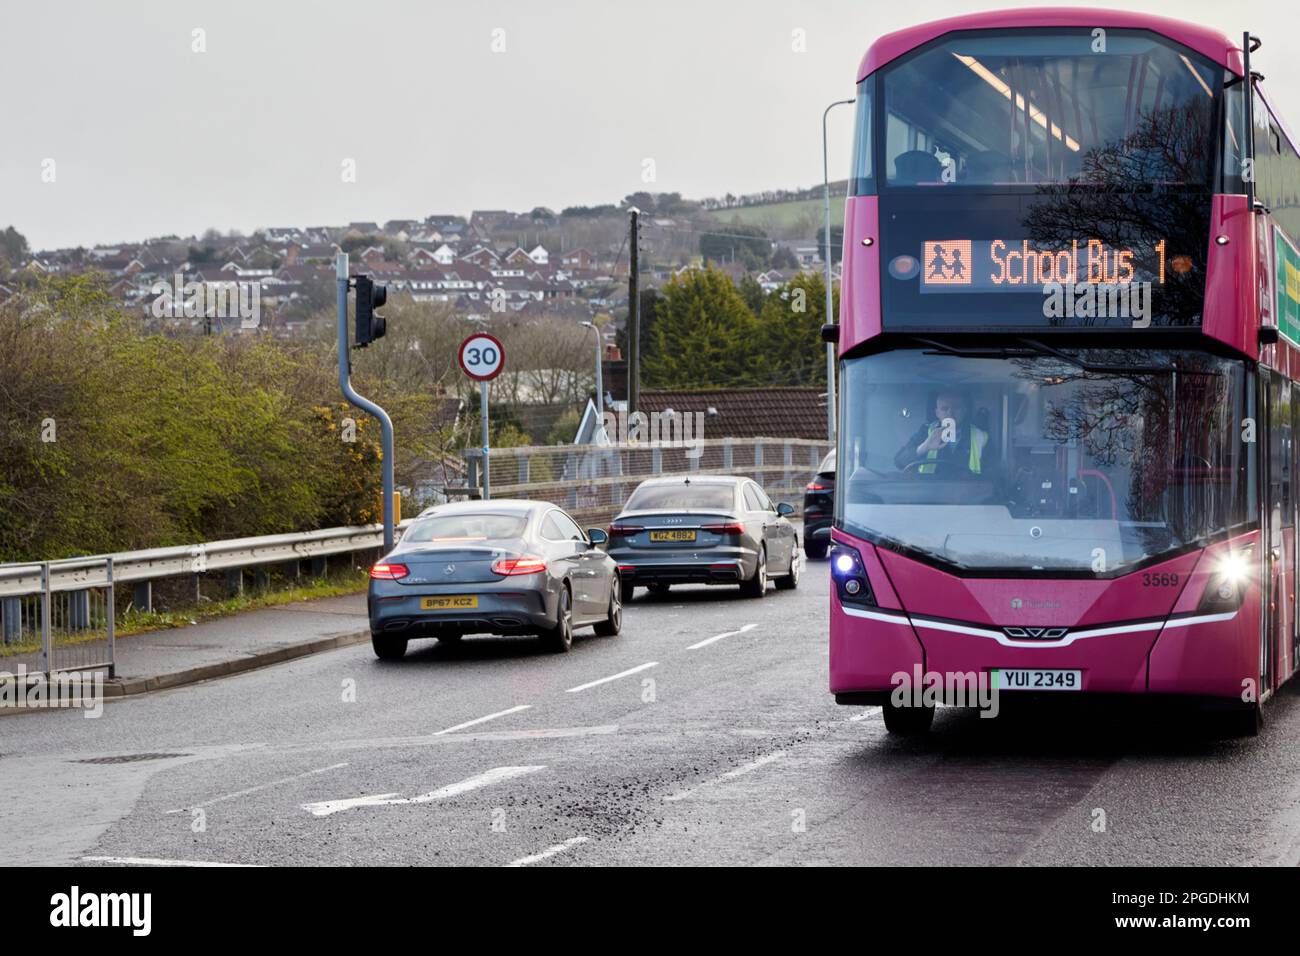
x=908 y=721
x=1243 y=722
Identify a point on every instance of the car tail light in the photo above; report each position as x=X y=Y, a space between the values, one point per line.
x=389 y=572
x=624 y=530
x=528 y=564
x=729 y=527
x=816 y=486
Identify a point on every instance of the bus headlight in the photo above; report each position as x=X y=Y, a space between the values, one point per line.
x=850 y=576
x=1228 y=581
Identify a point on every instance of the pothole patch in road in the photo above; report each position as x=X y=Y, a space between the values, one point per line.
x=129 y=758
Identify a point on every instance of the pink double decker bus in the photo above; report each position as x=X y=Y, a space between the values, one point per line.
x=1069 y=328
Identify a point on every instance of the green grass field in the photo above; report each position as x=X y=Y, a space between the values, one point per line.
x=785 y=220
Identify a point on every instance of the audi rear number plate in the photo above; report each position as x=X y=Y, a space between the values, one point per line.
x=678 y=534
x=1029 y=678
x=449 y=602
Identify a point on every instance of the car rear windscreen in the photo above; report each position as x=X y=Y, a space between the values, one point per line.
x=466 y=527
x=682 y=497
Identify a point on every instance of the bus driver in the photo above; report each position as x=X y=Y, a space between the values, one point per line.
x=950 y=445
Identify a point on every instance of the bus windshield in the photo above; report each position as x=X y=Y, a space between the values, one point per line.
x=1110 y=108
x=1087 y=461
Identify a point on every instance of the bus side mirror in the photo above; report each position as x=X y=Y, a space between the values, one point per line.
x=1268 y=335
x=830 y=333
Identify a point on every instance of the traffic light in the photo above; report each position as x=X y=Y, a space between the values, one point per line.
x=369 y=297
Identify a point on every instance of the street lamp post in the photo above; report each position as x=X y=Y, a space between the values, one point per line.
x=600 y=388
x=827 y=256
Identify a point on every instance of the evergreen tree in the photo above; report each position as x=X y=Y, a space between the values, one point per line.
x=704 y=335
x=790 y=331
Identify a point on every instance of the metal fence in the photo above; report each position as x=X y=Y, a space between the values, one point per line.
x=592 y=481
x=64 y=623
x=61 y=615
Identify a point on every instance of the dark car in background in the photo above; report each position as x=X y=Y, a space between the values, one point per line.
x=704 y=530
x=819 y=509
x=493 y=567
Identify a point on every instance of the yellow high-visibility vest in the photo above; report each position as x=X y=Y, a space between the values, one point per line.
x=978 y=439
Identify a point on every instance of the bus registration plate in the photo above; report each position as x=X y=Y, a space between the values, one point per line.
x=1029 y=678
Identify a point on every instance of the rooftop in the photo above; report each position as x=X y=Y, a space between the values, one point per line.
x=747 y=412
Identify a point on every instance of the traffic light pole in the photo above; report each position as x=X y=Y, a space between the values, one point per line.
x=365 y=404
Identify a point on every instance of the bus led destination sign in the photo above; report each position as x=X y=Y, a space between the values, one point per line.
x=1019 y=265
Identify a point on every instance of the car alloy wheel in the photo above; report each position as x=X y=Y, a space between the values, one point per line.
x=560 y=637
x=790 y=580
x=613 y=623
x=756 y=586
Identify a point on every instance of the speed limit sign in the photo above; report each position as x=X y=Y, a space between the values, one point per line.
x=481 y=357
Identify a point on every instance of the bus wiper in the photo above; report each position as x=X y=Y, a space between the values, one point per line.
x=1042 y=348
x=996 y=352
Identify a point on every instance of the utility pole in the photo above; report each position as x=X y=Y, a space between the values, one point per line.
x=633 y=317
x=600 y=388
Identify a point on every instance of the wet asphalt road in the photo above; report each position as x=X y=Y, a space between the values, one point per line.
x=726 y=751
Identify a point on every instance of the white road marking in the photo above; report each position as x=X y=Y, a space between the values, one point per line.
x=867 y=715
x=546 y=732
x=150 y=861
x=430 y=740
x=244 y=793
x=606 y=680
x=483 y=720
x=495 y=775
x=717 y=637
x=548 y=852
x=729 y=775
x=327 y=807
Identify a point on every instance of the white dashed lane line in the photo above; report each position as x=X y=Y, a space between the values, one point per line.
x=740 y=771
x=483 y=720
x=717 y=637
x=606 y=680
x=549 y=852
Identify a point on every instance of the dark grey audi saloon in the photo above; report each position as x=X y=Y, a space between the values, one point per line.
x=705 y=530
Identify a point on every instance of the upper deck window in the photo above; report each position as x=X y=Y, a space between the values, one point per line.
x=1129 y=110
x=863 y=183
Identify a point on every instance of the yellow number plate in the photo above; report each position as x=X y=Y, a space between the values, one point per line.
x=449 y=602
x=675 y=535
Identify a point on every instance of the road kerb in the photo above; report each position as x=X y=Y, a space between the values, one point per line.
x=134 y=686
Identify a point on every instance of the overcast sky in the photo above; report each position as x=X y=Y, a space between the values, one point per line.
x=149 y=137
